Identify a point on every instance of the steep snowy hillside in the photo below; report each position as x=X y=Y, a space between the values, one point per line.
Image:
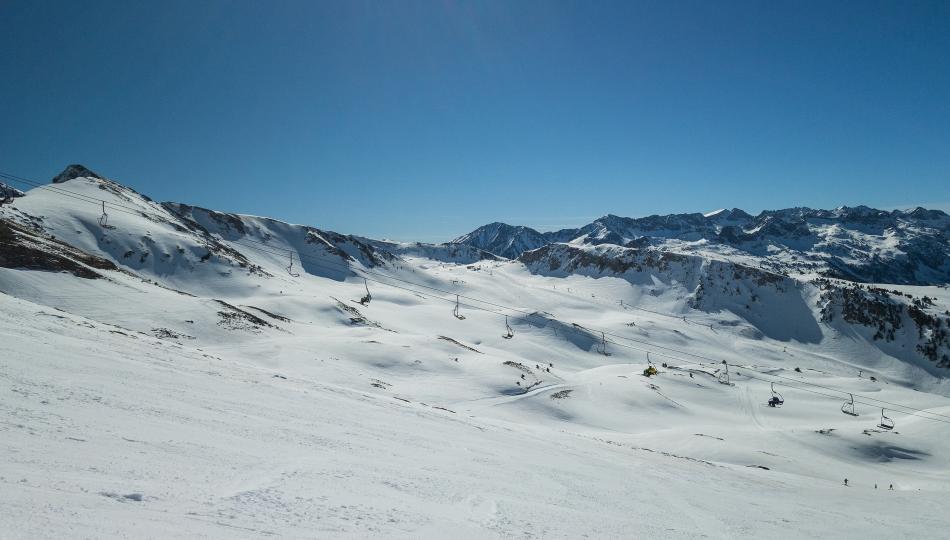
x=181 y=245
x=237 y=376
x=860 y=243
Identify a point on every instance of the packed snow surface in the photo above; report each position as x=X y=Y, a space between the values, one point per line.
x=228 y=398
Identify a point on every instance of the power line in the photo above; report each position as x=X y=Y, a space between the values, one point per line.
x=365 y=273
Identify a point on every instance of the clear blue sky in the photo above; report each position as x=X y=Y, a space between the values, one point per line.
x=423 y=120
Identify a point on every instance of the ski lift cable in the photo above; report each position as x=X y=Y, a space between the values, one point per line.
x=914 y=412
x=49 y=187
x=83 y=197
x=138 y=212
x=860 y=402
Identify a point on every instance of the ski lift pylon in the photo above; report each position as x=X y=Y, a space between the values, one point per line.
x=508 y=333
x=455 y=312
x=886 y=423
x=848 y=406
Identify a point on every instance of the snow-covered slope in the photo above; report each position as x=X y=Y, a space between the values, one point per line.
x=447 y=252
x=859 y=243
x=214 y=393
x=915 y=329
x=181 y=245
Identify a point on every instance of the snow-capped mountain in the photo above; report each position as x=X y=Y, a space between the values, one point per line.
x=504 y=240
x=856 y=243
x=181 y=243
x=176 y=371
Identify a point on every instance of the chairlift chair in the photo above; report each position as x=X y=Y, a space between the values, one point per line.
x=508 y=333
x=290 y=269
x=886 y=423
x=776 y=400
x=104 y=218
x=368 y=297
x=724 y=374
x=602 y=348
x=848 y=406
x=455 y=312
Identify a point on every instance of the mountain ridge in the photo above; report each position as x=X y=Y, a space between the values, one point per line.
x=858 y=243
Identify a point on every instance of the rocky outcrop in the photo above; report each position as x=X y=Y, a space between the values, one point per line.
x=26 y=249
x=9 y=192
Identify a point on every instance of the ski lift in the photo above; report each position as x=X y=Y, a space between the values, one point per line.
x=602 y=348
x=508 y=334
x=724 y=374
x=886 y=423
x=848 y=406
x=455 y=312
x=650 y=362
x=104 y=218
x=369 y=297
x=290 y=269
x=776 y=400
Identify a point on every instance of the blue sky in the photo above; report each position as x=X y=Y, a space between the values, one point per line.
x=423 y=120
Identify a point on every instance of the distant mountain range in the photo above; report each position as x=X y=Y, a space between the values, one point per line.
x=856 y=243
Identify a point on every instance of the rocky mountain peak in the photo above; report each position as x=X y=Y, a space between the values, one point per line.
x=75 y=171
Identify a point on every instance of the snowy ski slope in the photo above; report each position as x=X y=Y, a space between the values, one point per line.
x=226 y=398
